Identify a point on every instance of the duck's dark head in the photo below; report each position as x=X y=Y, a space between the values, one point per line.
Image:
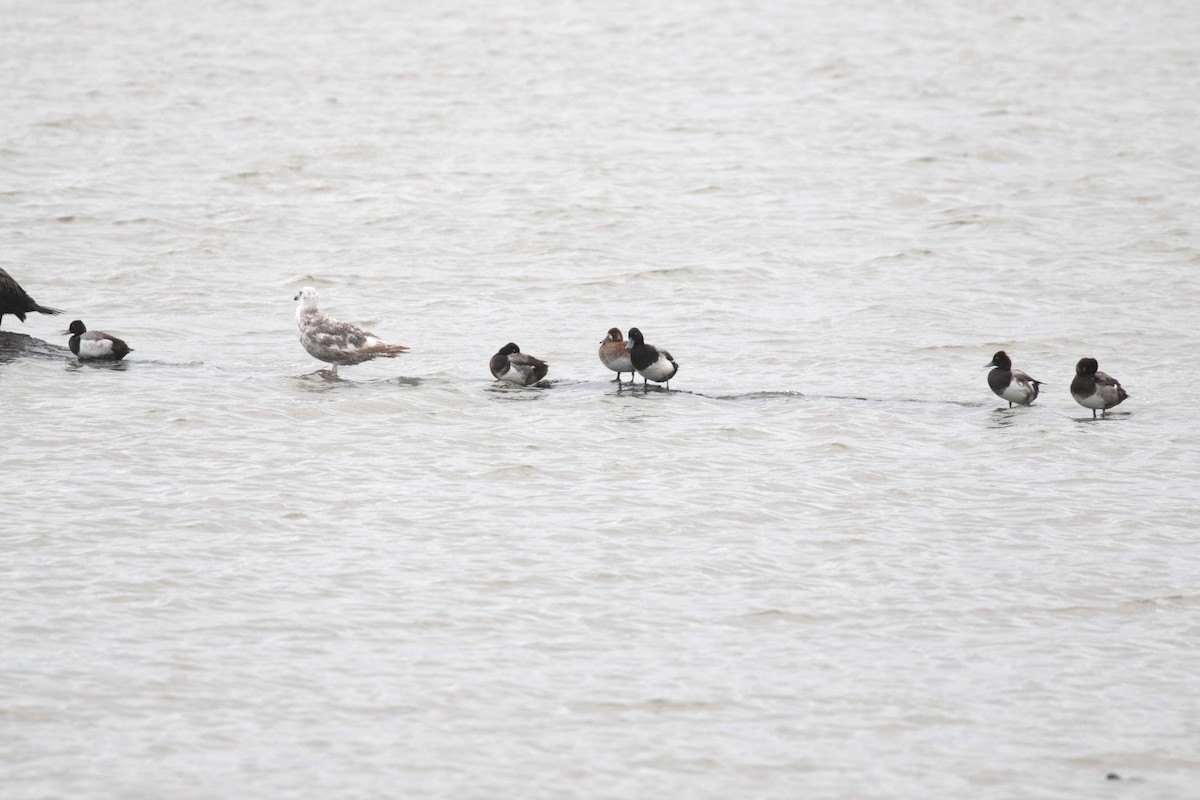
x=614 y=335
x=635 y=338
x=1000 y=361
x=509 y=349
x=75 y=329
x=1087 y=366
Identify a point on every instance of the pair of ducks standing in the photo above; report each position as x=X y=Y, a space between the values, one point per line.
x=652 y=363
x=1090 y=388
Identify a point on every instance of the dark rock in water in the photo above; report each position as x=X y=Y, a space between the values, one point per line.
x=18 y=345
x=1112 y=776
x=13 y=299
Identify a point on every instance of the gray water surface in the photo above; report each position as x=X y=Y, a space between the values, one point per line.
x=829 y=563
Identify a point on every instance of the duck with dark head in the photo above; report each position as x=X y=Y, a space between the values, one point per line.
x=652 y=363
x=1095 y=390
x=95 y=345
x=1011 y=384
x=510 y=364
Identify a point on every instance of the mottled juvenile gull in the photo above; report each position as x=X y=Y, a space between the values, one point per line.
x=1095 y=390
x=336 y=342
x=1011 y=384
x=614 y=354
x=13 y=299
x=510 y=364
x=96 y=345
x=652 y=363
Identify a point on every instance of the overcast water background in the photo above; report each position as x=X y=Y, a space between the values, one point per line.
x=829 y=563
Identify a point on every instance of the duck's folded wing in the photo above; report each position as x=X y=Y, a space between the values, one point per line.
x=525 y=360
x=1024 y=378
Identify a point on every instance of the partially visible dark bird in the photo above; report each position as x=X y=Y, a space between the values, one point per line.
x=96 y=345
x=13 y=299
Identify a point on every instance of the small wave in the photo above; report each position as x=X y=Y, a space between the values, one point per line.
x=325 y=379
x=116 y=366
x=786 y=394
x=308 y=279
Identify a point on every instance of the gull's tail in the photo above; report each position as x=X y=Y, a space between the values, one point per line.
x=386 y=350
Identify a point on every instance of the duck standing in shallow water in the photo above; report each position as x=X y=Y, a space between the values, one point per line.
x=1095 y=390
x=614 y=354
x=1011 y=384
x=652 y=363
x=97 y=345
x=13 y=299
x=510 y=364
x=336 y=342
